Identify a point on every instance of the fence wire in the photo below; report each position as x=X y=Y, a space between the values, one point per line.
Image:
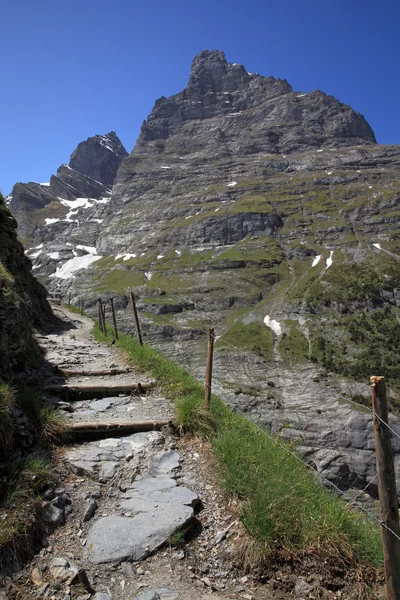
x=351 y=501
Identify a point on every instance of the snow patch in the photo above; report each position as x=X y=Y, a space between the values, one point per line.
x=45 y=184
x=74 y=264
x=320 y=150
x=35 y=254
x=377 y=246
x=316 y=261
x=217 y=209
x=231 y=184
x=54 y=255
x=51 y=221
x=329 y=260
x=272 y=324
x=329 y=172
x=125 y=256
x=189 y=217
x=164 y=167
x=89 y=249
x=149 y=275
x=178 y=252
x=160 y=256
x=301 y=95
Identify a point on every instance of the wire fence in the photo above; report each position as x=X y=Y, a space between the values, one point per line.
x=302 y=423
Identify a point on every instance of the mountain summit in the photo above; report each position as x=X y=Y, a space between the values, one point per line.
x=255 y=114
x=269 y=214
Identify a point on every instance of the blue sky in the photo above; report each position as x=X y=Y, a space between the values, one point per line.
x=70 y=70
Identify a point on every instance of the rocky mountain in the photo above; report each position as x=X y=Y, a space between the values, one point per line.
x=269 y=214
x=23 y=304
x=89 y=175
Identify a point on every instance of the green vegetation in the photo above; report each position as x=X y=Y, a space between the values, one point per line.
x=293 y=345
x=6 y=279
x=283 y=506
x=23 y=476
x=119 y=280
x=367 y=343
x=255 y=337
x=22 y=484
x=54 y=210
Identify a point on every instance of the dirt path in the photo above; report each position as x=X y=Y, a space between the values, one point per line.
x=120 y=506
x=125 y=500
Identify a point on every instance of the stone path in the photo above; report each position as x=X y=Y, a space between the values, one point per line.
x=123 y=498
x=148 y=506
x=141 y=513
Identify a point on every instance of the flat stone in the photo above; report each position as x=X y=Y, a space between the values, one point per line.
x=117 y=539
x=149 y=485
x=164 y=463
x=100 y=405
x=149 y=595
x=177 y=495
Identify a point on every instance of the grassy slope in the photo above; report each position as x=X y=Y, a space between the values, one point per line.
x=283 y=505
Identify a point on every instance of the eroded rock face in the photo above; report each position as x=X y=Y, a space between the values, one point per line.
x=90 y=174
x=99 y=158
x=23 y=302
x=269 y=116
x=246 y=204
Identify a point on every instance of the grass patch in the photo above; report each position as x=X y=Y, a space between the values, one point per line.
x=23 y=474
x=255 y=337
x=25 y=479
x=284 y=507
x=293 y=345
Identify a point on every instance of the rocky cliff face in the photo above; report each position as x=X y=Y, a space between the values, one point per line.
x=271 y=215
x=89 y=175
x=23 y=302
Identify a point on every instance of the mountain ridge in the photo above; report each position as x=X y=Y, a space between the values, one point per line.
x=245 y=204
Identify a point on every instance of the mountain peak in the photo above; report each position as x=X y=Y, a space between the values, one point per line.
x=210 y=72
x=93 y=157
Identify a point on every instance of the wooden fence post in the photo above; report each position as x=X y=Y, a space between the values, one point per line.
x=387 y=489
x=103 y=312
x=207 y=391
x=114 y=319
x=136 y=317
x=101 y=327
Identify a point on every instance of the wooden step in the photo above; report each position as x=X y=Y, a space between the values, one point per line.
x=92 y=430
x=116 y=371
x=102 y=390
